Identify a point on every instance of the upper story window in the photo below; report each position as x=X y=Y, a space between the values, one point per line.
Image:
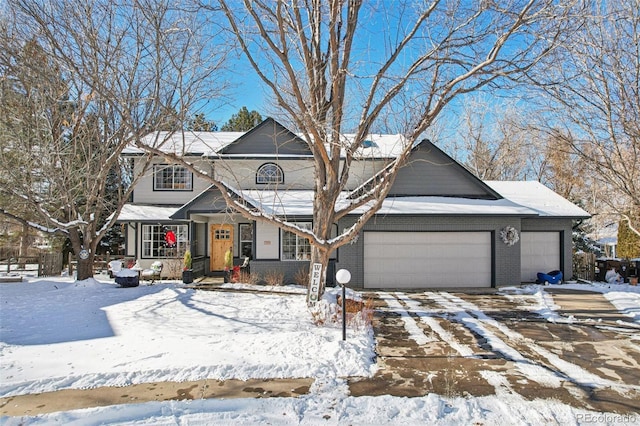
x=269 y=173
x=168 y=177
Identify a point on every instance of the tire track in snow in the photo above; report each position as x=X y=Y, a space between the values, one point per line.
x=526 y=366
x=431 y=322
x=572 y=372
x=410 y=324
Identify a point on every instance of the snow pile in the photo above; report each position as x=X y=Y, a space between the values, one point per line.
x=57 y=334
x=95 y=334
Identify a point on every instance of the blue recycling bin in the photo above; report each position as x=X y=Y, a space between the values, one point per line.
x=553 y=277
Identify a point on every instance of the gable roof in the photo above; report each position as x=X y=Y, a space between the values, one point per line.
x=267 y=138
x=208 y=201
x=430 y=172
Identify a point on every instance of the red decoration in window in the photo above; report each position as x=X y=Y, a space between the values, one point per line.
x=170 y=238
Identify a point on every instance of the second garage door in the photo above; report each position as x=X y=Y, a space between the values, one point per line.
x=540 y=252
x=427 y=259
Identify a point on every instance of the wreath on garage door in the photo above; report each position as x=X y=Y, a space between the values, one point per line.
x=509 y=235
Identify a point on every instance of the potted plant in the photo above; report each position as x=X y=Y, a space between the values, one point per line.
x=187 y=272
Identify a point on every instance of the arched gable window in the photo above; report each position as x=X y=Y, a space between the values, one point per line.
x=269 y=173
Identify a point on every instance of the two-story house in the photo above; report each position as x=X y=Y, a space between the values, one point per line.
x=440 y=226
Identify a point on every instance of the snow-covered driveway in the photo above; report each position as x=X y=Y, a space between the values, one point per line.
x=574 y=346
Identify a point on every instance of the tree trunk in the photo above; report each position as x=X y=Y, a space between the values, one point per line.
x=85 y=268
x=24 y=246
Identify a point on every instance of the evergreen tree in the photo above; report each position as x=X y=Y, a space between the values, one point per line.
x=199 y=123
x=242 y=121
x=628 y=242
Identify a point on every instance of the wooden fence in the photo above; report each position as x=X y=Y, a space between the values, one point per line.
x=584 y=266
x=45 y=265
x=100 y=262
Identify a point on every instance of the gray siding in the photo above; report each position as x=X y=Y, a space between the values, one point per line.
x=431 y=172
x=212 y=202
x=298 y=173
x=144 y=193
x=269 y=137
x=289 y=268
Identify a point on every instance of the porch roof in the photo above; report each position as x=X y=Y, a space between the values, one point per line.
x=146 y=213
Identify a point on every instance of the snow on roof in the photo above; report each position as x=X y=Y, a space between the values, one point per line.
x=452 y=205
x=146 y=213
x=210 y=143
x=199 y=143
x=281 y=203
x=528 y=198
x=520 y=199
x=300 y=203
x=379 y=146
x=536 y=196
x=606 y=235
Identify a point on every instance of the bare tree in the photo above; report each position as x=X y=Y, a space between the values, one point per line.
x=594 y=94
x=494 y=142
x=86 y=79
x=329 y=72
x=499 y=142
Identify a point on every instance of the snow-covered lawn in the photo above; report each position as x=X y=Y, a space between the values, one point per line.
x=59 y=334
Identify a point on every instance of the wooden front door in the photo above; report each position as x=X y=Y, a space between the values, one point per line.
x=221 y=238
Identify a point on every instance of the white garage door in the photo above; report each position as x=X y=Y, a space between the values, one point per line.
x=427 y=259
x=539 y=252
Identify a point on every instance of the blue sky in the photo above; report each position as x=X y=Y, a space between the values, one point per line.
x=378 y=28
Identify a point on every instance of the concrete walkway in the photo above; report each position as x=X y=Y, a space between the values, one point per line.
x=72 y=399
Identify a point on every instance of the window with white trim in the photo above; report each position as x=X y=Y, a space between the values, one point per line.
x=246 y=239
x=172 y=178
x=295 y=247
x=269 y=173
x=154 y=241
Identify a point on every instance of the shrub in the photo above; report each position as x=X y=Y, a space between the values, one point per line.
x=173 y=268
x=301 y=277
x=249 y=278
x=274 y=278
x=359 y=312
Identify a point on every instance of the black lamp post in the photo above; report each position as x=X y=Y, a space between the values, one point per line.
x=343 y=277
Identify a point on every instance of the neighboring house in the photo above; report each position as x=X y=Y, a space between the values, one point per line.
x=606 y=237
x=440 y=226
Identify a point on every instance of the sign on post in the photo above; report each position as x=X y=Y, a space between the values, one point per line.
x=314 y=288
